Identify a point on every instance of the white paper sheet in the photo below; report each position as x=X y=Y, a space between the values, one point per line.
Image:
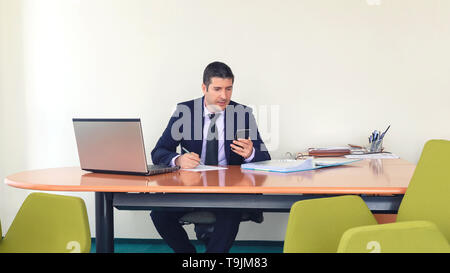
x=202 y=168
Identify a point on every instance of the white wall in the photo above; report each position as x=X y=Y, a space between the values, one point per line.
x=13 y=124
x=336 y=69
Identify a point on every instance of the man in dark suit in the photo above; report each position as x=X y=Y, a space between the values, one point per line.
x=206 y=127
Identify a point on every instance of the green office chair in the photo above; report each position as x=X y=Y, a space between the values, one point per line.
x=318 y=225
x=49 y=223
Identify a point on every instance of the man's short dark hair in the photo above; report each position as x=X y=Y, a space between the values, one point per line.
x=216 y=69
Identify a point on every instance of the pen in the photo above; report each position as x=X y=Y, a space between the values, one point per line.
x=377 y=134
x=382 y=135
x=186 y=151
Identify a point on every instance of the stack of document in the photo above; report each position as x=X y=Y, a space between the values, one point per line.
x=329 y=151
x=290 y=165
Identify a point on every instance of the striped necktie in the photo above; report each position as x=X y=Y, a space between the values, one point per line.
x=212 y=143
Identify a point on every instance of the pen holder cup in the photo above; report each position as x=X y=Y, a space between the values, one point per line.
x=376 y=146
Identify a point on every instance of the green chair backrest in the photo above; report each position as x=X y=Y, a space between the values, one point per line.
x=428 y=194
x=317 y=225
x=49 y=223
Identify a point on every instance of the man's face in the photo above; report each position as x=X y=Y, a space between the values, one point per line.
x=218 y=95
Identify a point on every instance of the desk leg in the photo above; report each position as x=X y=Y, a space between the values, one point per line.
x=104 y=222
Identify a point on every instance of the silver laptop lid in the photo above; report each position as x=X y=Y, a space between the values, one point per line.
x=110 y=145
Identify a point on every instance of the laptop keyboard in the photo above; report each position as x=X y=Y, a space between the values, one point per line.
x=158 y=169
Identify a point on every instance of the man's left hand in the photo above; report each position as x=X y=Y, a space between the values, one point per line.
x=243 y=147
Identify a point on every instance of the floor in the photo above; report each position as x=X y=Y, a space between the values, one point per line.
x=159 y=246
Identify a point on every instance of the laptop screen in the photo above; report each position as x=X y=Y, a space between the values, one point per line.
x=110 y=145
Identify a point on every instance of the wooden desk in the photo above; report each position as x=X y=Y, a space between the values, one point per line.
x=381 y=183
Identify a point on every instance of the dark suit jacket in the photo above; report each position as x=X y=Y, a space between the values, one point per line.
x=185 y=128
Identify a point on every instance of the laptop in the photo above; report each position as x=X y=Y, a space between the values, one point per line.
x=114 y=146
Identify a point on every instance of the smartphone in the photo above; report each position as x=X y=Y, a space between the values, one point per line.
x=242 y=133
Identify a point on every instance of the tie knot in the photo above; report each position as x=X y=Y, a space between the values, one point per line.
x=212 y=115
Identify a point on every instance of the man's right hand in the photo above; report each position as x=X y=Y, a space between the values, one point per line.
x=188 y=161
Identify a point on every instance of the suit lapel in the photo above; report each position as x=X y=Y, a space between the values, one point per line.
x=197 y=126
x=227 y=142
x=229 y=137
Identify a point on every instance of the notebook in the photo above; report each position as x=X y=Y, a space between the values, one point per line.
x=290 y=165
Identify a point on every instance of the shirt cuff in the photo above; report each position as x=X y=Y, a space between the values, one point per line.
x=172 y=162
x=251 y=157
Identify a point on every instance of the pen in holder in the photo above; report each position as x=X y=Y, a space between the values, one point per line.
x=376 y=141
x=376 y=146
